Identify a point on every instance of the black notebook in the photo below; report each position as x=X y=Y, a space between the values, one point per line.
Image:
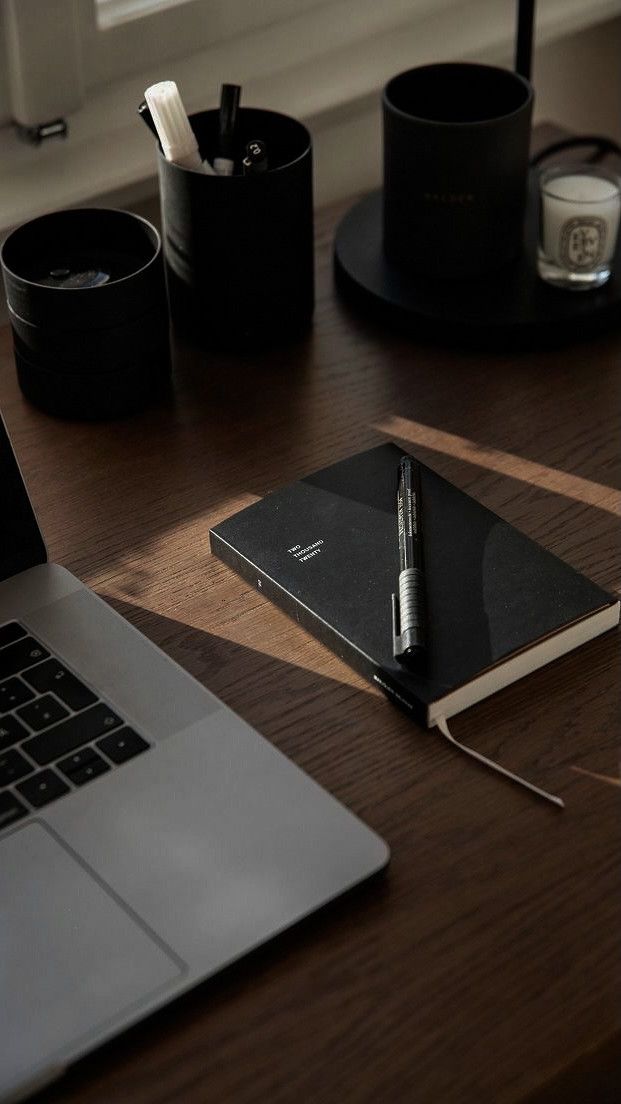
x=499 y=605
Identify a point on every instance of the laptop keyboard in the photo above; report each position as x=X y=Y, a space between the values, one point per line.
x=55 y=733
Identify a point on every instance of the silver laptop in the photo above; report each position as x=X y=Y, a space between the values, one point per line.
x=148 y=836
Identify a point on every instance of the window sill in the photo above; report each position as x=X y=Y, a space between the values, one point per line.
x=109 y=155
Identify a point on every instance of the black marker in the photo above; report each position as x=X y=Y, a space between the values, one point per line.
x=146 y=116
x=255 y=160
x=224 y=163
x=408 y=610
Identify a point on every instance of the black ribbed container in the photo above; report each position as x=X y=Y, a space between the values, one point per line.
x=239 y=249
x=88 y=352
x=456 y=147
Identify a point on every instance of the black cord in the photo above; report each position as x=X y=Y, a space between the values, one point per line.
x=601 y=146
x=524 y=37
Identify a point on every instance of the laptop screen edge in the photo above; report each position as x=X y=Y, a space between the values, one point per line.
x=21 y=542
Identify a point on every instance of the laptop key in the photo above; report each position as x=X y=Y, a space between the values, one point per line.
x=122 y=745
x=92 y=769
x=71 y=734
x=11 y=632
x=12 y=767
x=11 y=731
x=76 y=761
x=51 y=675
x=10 y=809
x=42 y=713
x=14 y=692
x=43 y=787
x=23 y=653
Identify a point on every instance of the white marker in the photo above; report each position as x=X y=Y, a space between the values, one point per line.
x=176 y=136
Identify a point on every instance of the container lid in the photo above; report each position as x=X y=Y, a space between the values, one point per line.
x=83 y=268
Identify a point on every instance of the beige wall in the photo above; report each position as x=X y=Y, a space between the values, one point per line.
x=578 y=81
x=577 y=85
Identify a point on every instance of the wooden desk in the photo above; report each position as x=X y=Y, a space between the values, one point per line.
x=483 y=967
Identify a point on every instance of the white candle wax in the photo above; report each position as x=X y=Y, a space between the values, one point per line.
x=580 y=221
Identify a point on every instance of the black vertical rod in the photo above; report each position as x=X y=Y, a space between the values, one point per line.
x=524 y=37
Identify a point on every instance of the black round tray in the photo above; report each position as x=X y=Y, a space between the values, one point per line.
x=509 y=308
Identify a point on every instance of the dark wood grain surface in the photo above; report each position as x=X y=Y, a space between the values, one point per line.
x=483 y=967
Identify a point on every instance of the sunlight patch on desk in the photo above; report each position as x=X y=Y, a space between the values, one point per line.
x=156 y=561
x=609 y=779
x=505 y=463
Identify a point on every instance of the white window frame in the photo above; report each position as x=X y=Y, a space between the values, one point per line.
x=115 y=33
x=99 y=43
x=323 y=61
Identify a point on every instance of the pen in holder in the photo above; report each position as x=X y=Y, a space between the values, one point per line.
x=239 y=248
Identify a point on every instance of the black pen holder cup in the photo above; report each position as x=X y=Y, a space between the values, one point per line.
x=456 y=148
x=239 y=249
x=87 y=305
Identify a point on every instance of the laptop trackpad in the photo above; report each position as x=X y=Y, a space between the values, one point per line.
x=71 y=956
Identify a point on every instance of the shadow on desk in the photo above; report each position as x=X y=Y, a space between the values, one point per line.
x=469 y=881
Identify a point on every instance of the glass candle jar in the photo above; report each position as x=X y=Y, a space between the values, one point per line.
x=578 y=225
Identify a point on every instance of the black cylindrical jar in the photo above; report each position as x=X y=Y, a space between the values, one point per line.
x=87 y=305
x=239 y=249
x=456 y=147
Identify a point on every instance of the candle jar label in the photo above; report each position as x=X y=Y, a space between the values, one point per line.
x=580 y=209
x=582 y=243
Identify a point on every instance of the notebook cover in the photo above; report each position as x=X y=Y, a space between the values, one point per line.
x=325 y=549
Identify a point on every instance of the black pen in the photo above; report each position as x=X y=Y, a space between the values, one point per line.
x=146 y=116
x=408 y=609
x=255 y=160
x=224 y=163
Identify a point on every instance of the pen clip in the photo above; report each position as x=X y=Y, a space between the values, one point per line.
x=408 y=640
x=397 y=642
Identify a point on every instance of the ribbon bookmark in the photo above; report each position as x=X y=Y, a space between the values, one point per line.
x=444 y=729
